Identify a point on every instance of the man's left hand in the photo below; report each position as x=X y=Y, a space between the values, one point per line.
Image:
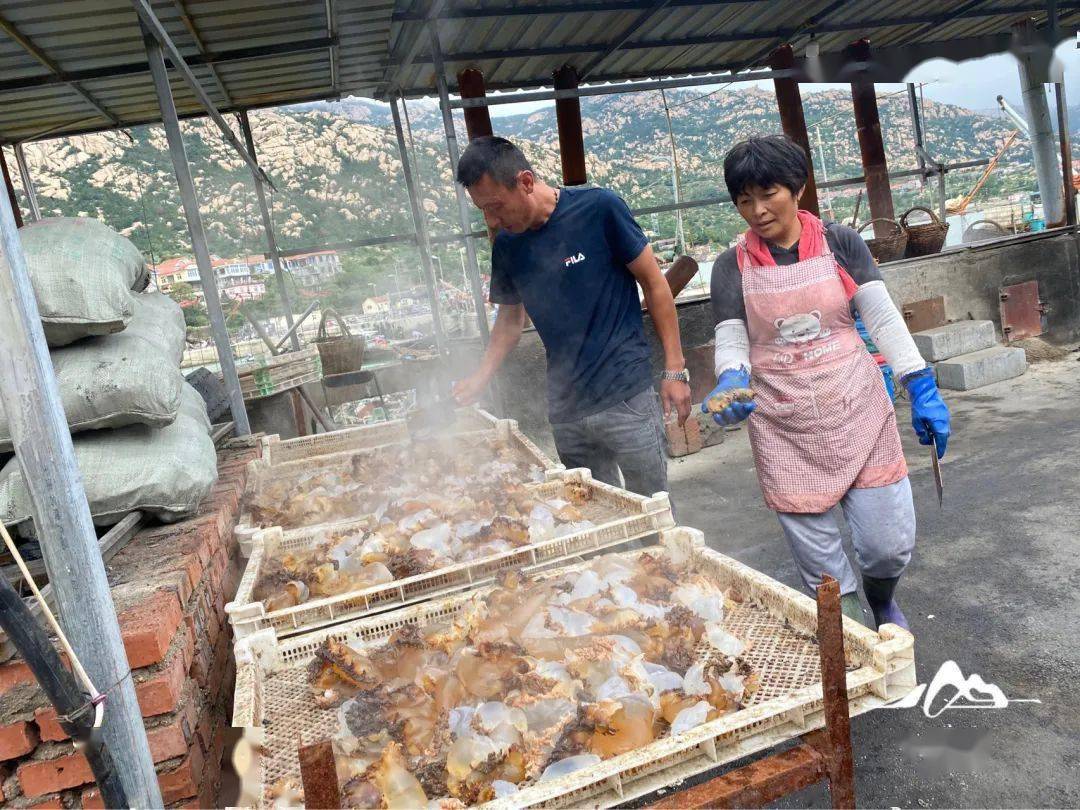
x=675 y=395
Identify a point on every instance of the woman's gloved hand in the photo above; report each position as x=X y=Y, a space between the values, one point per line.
x=929 y=414
x=732 y=400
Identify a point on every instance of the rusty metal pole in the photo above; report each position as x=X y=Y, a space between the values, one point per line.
x=318 y=775
x=477 y=119
x=793 y=120
x=1066 y=153
x=868 y=125
x=10 y=190
x=568 y=118
x=840 y=763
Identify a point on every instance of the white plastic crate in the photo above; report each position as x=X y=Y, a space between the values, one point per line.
x=273 y=706
x=339 y=448
x=620 y=516
x=276 y=450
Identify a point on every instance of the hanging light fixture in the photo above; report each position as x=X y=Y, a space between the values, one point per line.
x=813 y=48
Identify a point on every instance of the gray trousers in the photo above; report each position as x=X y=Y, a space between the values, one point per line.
x=882 y=521
x=627 y=437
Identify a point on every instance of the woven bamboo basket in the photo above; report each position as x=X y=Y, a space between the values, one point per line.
x=925 y=238
x=342 y=353
x=887 y=248
x=273 y=708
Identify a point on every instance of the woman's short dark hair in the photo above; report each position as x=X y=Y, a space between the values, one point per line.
x=493 y=156
x=769 y=160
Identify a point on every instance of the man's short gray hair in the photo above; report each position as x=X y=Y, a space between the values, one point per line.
x=493 y=156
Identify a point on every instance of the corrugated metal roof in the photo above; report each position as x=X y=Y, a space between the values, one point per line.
x=69 y=66
x=628 y=39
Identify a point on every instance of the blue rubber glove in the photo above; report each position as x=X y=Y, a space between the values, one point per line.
x=736 y=412
x=929 y=414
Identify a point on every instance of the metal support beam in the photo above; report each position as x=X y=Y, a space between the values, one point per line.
x=42 y=442
x=472 y=267
x=397 y=71
x=15 y=212
x=1040 y=131
x=568 y=120
x=331 y=32
x=268 y=229
x=793 y=120
x=31 y=48
x=151 y=23
x=189 y=24
x=916 y=125
x=195 y=230
x=612 y=89
x=28 y=184
x=868 y=126
x=1066 y=153
x=1053 y=24
x=135 y=68
x=421 y=231
x=459 y=13
x=477 y=119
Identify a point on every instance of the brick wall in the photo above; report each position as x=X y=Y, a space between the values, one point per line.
x=170 y=585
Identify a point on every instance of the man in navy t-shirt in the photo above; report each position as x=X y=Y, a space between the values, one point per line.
x=572 y=259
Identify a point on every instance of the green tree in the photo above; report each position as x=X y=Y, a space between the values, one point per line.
x=181 y=292
x=195 y=315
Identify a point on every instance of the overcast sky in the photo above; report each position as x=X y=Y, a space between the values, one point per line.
x=974 y=84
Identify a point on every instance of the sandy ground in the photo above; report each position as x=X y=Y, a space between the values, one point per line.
x=993 y=586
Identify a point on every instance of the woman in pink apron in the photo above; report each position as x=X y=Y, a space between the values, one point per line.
x=823 y=429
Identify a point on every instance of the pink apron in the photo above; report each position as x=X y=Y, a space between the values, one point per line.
x=823 y=422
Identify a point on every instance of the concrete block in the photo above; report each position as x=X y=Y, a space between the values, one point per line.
x=954 y=339
x=981 y=368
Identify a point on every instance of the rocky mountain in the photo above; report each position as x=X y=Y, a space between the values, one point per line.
x=338 y=176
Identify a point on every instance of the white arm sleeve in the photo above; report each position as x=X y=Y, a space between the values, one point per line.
x=732 y=346
x=887 y=328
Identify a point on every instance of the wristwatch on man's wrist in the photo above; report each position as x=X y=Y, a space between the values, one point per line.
x=678 y=376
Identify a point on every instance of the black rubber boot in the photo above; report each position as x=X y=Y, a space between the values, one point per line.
x=879 y=595
x=850 y=607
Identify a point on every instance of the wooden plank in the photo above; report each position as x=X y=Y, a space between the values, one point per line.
x=219 y=433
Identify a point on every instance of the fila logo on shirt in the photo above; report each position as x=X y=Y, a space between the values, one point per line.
x=569 y=260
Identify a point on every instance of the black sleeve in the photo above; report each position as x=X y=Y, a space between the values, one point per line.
x=852 y=253
x=503 y=290
x=725 y=288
